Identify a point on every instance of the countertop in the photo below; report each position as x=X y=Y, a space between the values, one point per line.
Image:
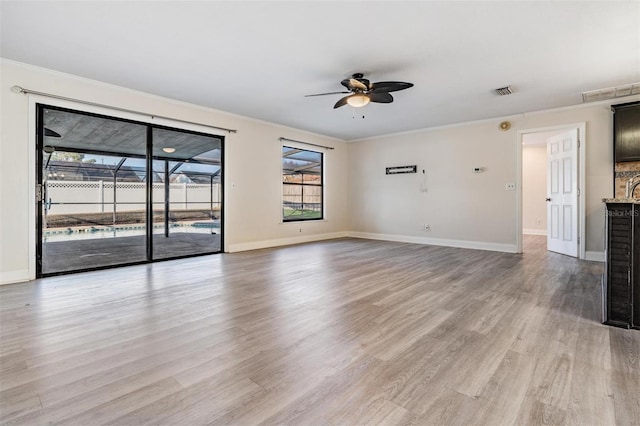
x=622 y=200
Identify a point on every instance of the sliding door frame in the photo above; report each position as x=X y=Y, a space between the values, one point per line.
x=40 y=105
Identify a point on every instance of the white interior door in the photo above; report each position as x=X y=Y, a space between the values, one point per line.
x=562 y=193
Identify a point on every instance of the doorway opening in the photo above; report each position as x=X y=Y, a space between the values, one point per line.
x=551 y=202
x=115 y=192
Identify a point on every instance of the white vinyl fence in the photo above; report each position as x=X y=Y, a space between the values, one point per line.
x=73 y=197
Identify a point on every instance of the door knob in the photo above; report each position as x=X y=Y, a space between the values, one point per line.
x=548 y=199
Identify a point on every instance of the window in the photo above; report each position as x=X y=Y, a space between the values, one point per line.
x=302 y=184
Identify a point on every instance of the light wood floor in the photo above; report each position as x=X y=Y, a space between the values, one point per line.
x=338 y=332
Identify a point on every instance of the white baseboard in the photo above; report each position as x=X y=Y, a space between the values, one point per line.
x=476 y=245
x=256 y=245
x=594 y=256
x=534 y=231
x=11 y=277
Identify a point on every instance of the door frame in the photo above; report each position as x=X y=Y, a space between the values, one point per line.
x=156 y=122
x=582 y=127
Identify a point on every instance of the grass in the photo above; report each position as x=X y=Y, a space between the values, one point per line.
x=290 y=214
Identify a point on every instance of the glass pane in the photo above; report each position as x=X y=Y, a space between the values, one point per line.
x=292 y=202
x=187 y=194
x=93 y=212
x=94 y=203
x=312 y=202
x=300 y=161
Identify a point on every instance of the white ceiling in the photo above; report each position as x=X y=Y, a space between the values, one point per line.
x=259 y=59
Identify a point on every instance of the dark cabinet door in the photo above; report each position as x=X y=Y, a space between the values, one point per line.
x=626 y=129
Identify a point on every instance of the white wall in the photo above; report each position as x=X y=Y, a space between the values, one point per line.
x=534 y=189
x=253 y=167
x=472 y=209
x=463 y=208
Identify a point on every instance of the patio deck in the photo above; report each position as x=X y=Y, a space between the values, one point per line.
x=72 y=255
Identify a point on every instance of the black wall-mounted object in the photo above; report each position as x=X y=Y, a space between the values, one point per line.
x=401 y=170
x=626 y=131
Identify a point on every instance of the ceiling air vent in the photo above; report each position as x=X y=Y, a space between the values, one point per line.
x=611 y=92
x=504 y=91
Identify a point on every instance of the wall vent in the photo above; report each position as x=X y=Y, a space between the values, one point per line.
x=503 y=91
x=611 y=92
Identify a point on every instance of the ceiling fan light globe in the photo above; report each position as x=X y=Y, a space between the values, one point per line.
x=358 y=101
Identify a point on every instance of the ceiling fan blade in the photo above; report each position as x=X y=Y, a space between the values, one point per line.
x=380 y=97
x=358 y=84
x=341 y=102
x=390 y=86
x=353 y=84
x=51 y=133
x=322 y=94
x=365 y=82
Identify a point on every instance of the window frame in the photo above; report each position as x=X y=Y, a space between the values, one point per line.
x=302 y=184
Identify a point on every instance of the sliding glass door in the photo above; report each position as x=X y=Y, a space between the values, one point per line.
x=116 y=192
x=187 y=198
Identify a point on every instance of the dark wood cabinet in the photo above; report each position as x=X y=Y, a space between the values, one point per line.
x=622 y=275
x=626 y=131
x=635 y=269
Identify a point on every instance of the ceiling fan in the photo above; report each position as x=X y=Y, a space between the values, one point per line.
x=362 y=91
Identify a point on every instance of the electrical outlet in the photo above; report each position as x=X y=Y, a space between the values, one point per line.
x=427 y=227
x=511 y=187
